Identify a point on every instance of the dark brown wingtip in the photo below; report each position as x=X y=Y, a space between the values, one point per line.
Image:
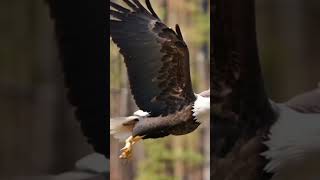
x=118 y=7
x=138 y=4
x=179 y=32
x=130 y=4
x=151 y=9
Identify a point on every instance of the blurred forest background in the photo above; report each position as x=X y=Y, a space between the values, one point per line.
x=174 y=157
x=38 y=133
x=288 y=40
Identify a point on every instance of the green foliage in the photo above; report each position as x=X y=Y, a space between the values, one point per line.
x=199 y=31
x=159 y=157
x=201 y=34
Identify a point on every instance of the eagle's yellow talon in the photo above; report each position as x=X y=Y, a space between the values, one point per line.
x=127 y=149
x=125 y=155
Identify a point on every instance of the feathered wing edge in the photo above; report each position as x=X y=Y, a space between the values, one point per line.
x=135 y=5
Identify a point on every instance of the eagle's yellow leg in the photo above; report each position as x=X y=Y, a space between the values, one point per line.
x=127 y=149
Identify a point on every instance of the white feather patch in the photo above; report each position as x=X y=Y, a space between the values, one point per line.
x=141 y=113
x=201 y=107
x=121 y=132
x=294 y=146
x=117 y=129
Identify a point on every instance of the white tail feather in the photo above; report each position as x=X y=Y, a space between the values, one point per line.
x=118 y=130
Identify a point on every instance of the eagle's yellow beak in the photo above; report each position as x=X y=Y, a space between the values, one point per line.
x=127 y=149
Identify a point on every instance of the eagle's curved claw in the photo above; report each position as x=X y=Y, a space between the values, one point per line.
x=127 y=149
x=126 y=154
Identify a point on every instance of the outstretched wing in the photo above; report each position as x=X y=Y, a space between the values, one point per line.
x=240 y=108
x=82 y=48
x=156 y=57
x=239 y=97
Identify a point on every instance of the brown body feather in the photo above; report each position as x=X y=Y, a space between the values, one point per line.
x=243 y=162
x=180 y=123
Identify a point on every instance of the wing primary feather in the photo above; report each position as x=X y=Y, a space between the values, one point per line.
x=134 y=7
x=117 y=14
x=151 y=9
x=119 y=8
x=179 y=32
x=139 y=5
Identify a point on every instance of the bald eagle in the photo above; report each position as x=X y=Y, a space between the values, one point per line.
x=255 y=138
x=157 y=61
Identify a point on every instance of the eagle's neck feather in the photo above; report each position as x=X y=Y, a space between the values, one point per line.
x=201 y=107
